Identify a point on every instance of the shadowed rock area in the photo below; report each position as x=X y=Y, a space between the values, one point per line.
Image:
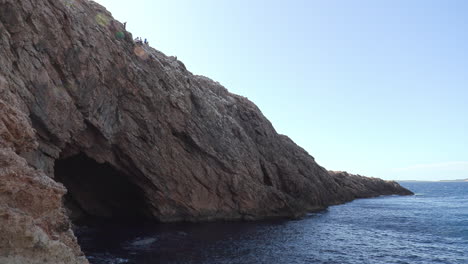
x=131 y=133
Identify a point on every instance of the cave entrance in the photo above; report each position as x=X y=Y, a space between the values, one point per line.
x=98 y=191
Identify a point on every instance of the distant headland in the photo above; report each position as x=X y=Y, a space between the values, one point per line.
x=457 y=180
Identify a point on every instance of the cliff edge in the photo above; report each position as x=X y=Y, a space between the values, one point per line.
x=93 y=124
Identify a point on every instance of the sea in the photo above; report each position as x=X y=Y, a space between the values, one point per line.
x=429 y=227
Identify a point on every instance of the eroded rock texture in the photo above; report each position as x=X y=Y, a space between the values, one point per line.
x=33 y=225
x=132 y=133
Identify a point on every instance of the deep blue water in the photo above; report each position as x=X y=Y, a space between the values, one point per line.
x=430 y=227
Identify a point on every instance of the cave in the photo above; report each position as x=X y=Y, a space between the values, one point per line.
x=98 y=191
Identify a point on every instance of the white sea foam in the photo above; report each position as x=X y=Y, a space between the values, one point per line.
x=140 y=243
x=143 y=242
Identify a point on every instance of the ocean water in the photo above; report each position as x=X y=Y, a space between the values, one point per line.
x=430 y=227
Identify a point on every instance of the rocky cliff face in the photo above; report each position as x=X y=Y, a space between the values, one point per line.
x=131 y=133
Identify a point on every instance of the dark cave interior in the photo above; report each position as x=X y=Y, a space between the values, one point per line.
x=99 y=191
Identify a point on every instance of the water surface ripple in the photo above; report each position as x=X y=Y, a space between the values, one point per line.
x=430 y=227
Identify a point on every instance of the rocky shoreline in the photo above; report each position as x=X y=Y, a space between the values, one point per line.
x=93 y=124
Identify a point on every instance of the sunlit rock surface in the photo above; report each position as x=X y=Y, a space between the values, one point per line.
x=33 y=225
x=118 y=119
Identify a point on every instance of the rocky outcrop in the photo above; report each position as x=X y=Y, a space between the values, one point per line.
x=33 y=225
x=130 y=132
x=357 y=186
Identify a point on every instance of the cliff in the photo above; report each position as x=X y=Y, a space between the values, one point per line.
x=130 y=133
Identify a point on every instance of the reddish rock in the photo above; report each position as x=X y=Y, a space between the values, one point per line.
x=33 y=225
x=132 y=133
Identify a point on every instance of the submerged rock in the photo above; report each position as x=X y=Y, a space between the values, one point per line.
x=131 y=133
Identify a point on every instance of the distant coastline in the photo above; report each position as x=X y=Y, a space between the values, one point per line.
x=457 y=180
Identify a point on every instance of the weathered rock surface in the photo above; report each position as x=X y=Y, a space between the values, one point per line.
x=357 y=186
x=132 y=133
x=33 y=225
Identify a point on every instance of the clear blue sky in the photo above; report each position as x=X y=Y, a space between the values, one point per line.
x=378 y=88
